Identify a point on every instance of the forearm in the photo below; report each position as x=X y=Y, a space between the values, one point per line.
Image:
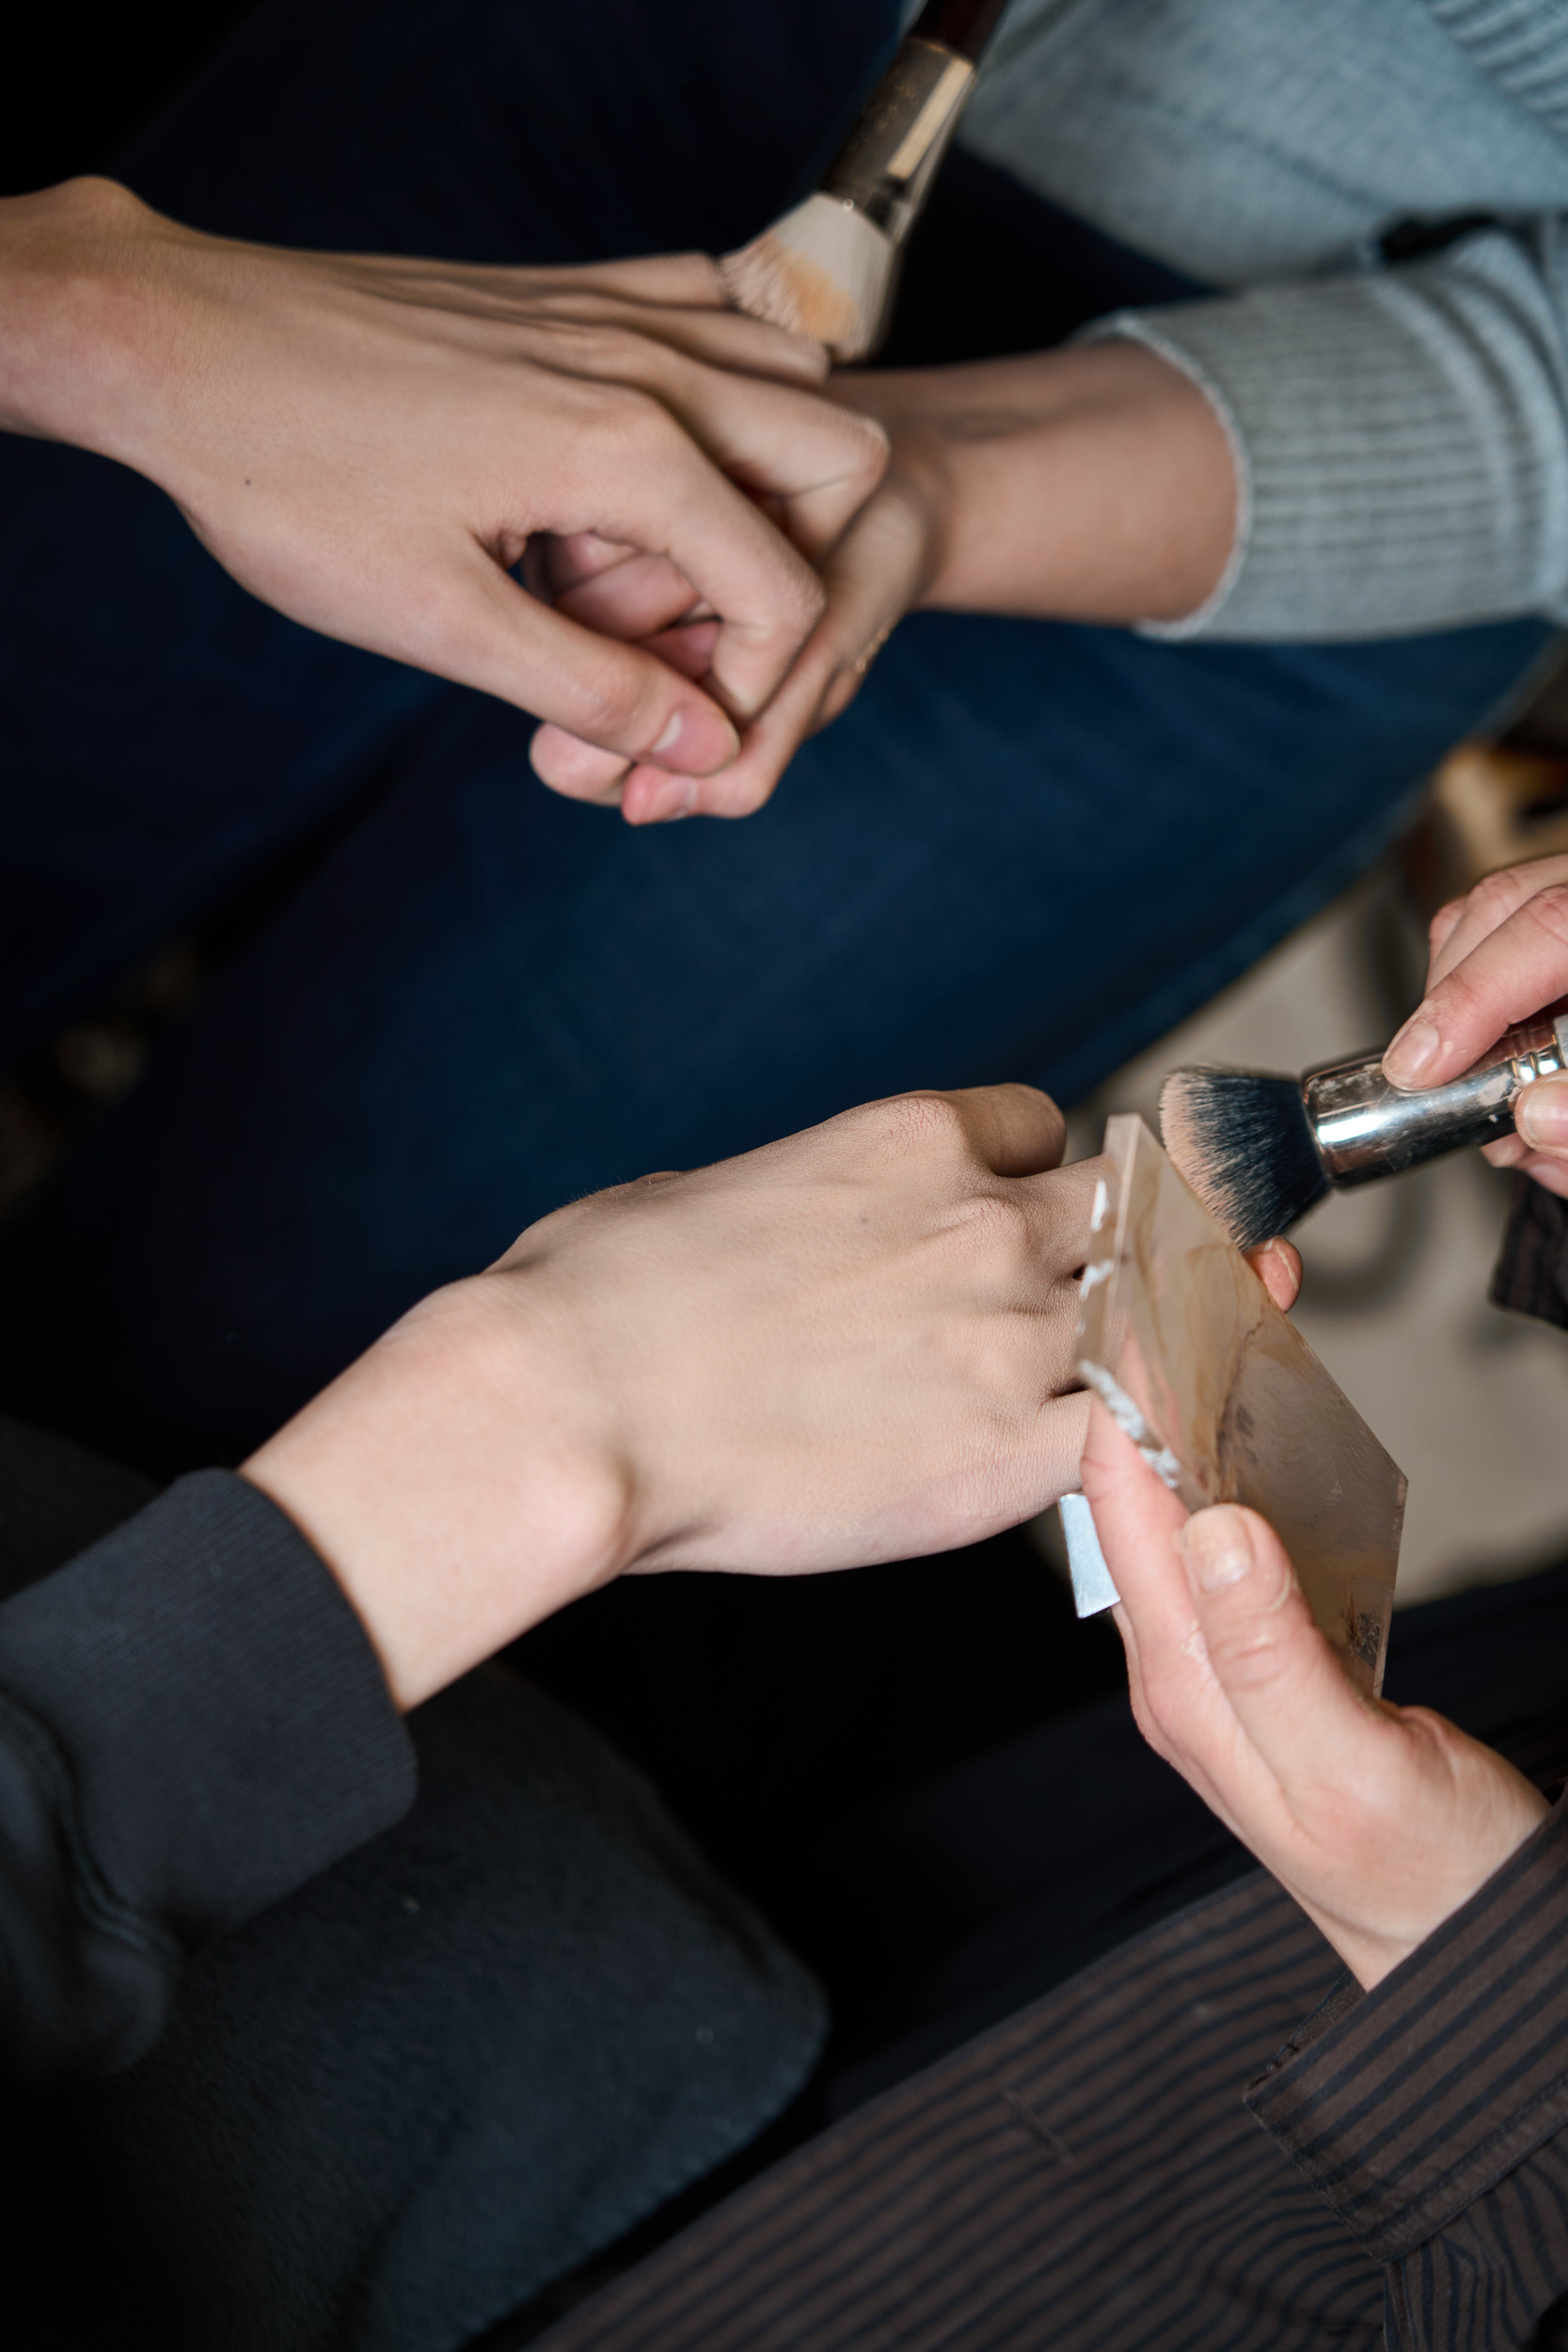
x=1094 y=484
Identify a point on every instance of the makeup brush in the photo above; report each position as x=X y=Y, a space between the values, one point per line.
x=829 y=267
x=1259 y=1151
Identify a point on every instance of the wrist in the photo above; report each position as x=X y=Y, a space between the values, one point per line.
x=1094 y=484
x=70 y=309
x=457 y=1482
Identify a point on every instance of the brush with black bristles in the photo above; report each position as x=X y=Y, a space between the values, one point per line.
x=828 y=269
x=1259 y=1151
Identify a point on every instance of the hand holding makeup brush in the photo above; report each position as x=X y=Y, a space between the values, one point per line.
x=1497 y=956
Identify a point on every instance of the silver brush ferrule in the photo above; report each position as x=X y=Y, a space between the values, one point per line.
x=1364 y=1128
x=886 y=167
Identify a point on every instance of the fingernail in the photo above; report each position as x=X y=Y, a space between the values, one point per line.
x=706 y=740
x=1217 y=1547
x=661 y=802
x=1415 y=1049
x=1542 y=1115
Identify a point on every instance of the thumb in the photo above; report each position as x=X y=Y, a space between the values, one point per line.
x=482 y=629
x=1286 y=1687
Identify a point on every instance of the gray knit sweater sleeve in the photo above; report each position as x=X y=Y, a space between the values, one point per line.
x=1400 y=438
x=1401 y=434
x=1520 y=46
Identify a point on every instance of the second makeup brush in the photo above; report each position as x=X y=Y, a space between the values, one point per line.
x=1259 y=1151
x=829 y=268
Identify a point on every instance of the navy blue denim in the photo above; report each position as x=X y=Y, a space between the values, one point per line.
x=1026 y=851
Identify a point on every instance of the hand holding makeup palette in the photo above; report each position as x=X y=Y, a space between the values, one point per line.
x=1183 y=1343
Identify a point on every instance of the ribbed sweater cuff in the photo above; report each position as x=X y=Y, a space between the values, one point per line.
x=1398 y=439
x=225 y=1723
x=1406 y=2105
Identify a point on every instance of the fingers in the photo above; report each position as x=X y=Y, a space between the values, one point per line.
x=481 y=628
x=1137 y=1518
x=1277 y=1266
x=1287 y=1689
x=870 y=581
x=1502 y=959
x=1236 y=1685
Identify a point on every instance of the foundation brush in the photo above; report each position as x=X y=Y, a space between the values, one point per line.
x=829 y=268
x=1261 y=1150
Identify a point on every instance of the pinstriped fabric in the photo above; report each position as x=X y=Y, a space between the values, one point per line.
x=1487 y=2279
x=1084 y=2175
x=1474 y=2030
x=1531 y=1275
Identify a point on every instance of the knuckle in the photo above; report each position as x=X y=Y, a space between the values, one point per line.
x=1549 y=910
x=925 y=1122
x=1162 y=1714
x=600 y=347
x=1464 y=993
x=870 y=447
x=607 y=704
x=629 y=423
x=1498 y=895
x=810 y=601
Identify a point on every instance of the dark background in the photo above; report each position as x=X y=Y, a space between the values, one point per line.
x=76 y=81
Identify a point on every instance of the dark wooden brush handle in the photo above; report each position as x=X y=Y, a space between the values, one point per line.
x=964 y=25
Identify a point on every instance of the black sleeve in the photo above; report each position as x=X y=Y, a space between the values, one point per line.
x=1433 y=2112
x=192 y=1723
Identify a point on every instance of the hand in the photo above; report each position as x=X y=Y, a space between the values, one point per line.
x=848 y=1346
x=1379 y=1820
x=371 y=444
x=1093 y=484
x=1497 y=957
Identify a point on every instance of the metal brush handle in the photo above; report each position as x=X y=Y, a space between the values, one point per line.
x=1364 y=1127
x=886 y=165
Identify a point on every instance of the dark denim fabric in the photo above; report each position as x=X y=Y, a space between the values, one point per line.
x=1026 y=850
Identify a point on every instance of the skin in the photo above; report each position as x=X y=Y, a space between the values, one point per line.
x=371 y=445
x=1089 y=484
x=1496 y=957
x=852 y=1345
x=1379 y=1820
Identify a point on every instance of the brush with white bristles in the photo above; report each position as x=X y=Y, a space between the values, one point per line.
x=829 y=268
x=1261 y=1150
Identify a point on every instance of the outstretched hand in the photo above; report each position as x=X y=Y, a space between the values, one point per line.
x=852 y=1345
x=1379 y=1820
x=372 y=444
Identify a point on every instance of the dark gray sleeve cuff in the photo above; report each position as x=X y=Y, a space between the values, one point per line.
x=204 y=1725
x=1532 y=1273
x=1406 y=2105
